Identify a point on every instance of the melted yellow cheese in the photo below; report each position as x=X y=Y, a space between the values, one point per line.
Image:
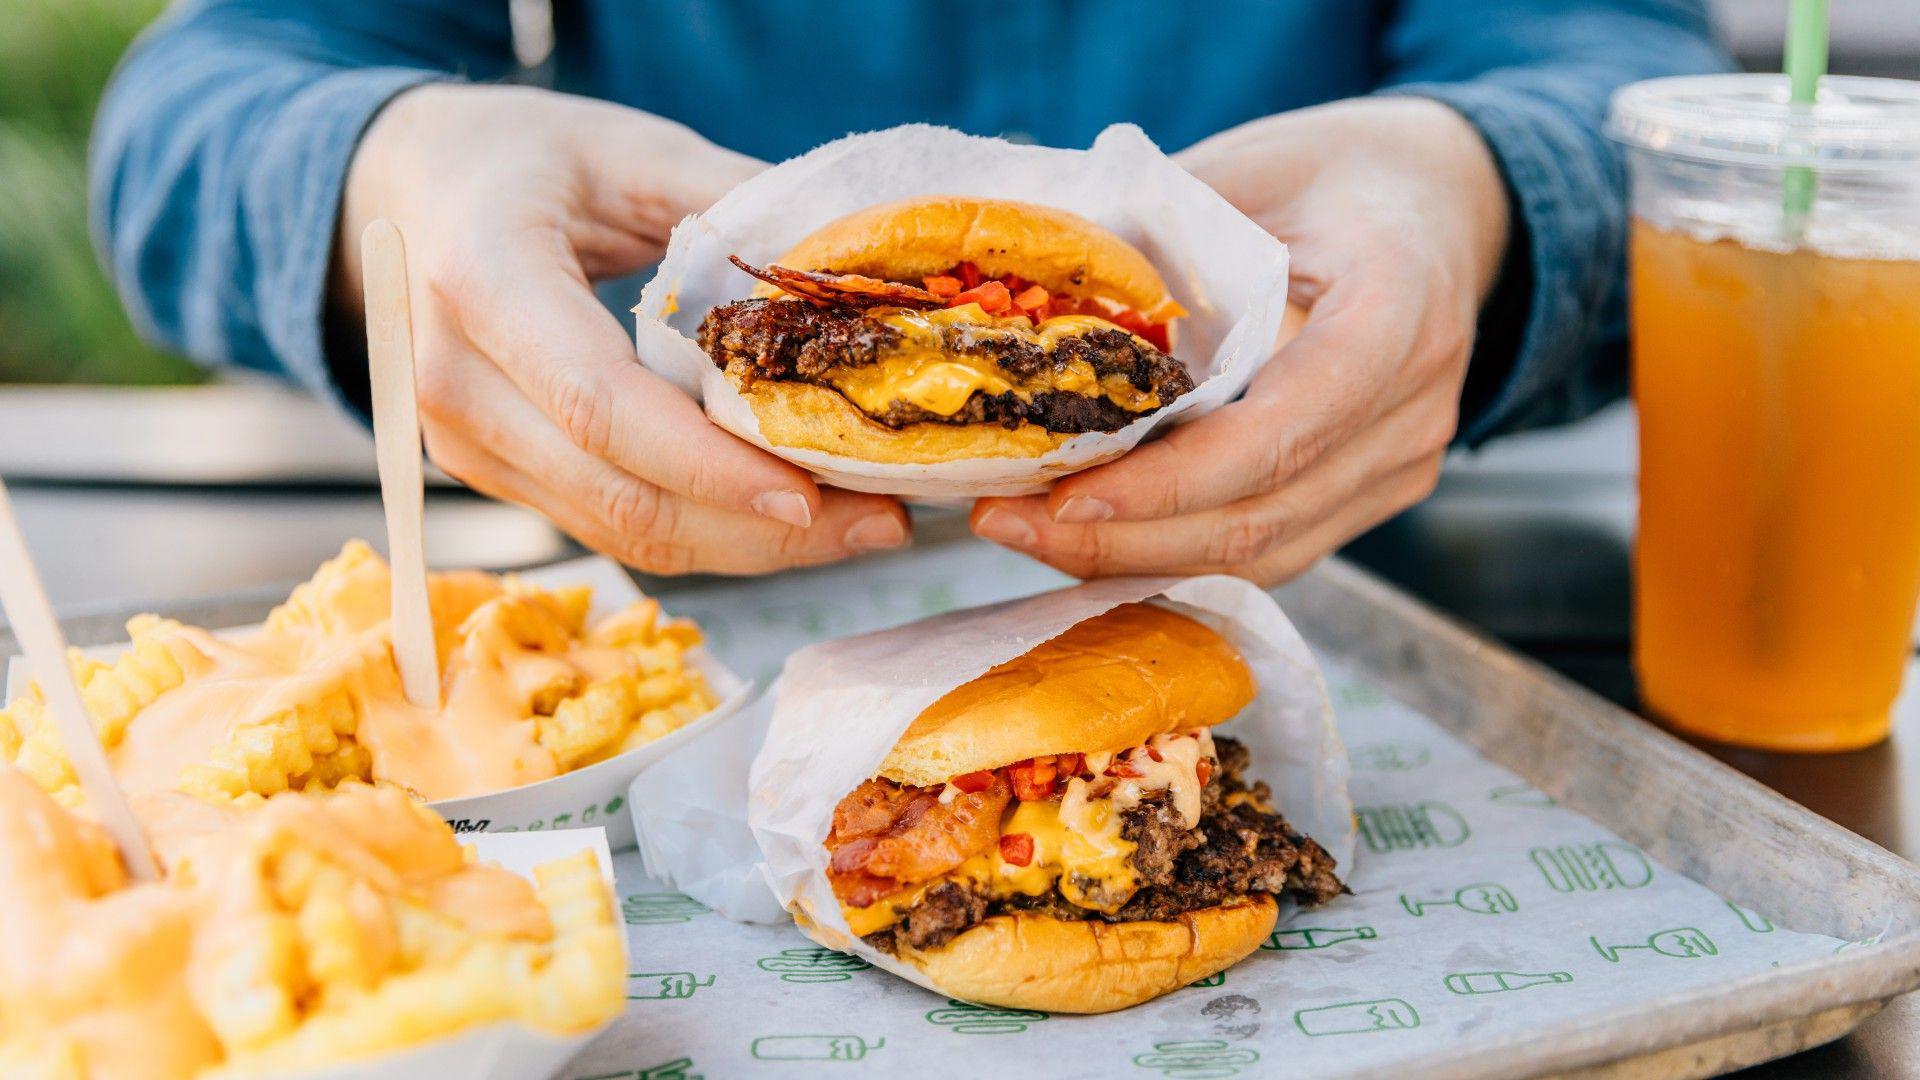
x=922 y=373
x=1076 y=842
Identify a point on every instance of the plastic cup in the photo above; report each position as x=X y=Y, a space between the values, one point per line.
x=1776 y=370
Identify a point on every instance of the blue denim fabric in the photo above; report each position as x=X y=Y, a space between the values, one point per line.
x=223 y=141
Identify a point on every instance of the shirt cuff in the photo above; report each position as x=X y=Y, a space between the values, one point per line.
x=1563 y=275
x=297 y=184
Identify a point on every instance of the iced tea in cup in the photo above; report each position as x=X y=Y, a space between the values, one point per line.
x=1776 y=370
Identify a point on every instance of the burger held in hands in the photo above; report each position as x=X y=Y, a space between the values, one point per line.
x=945 y=328
x=1065 y=831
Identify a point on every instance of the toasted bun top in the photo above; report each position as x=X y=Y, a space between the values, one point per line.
x=907 y=240
x=1111 y=682
x=1026 y=961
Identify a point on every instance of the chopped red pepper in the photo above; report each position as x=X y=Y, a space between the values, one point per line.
x=1205 y=771
x=974 y=782
x=1154 y=753
x=992 y=297
x=1033 y=779
x=969 y=274
x=1017 y=848
x=1031 y=300
x=1124 y=769
x=942 y=285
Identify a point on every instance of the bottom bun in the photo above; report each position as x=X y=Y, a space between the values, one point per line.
x=809 y=417
x=1061 y=965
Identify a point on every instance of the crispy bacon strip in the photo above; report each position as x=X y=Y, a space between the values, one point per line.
x=886 y=836
x=840 y=290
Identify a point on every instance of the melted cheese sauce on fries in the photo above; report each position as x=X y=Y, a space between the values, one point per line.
x=298 y=931
x=313 y=698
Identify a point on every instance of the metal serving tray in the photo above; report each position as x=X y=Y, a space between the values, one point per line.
x=1689 y=812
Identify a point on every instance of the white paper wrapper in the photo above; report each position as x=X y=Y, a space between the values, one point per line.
x=840 y=707
x=1230 y=274
x=593 y=796
x=504 y=1051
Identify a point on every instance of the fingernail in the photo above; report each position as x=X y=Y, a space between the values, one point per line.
x=1005 y=527
x=788 y=506
x=1082 y=510
x=876 y=531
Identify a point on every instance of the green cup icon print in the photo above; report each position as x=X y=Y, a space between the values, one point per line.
x=1300 y=938
x=1680 y=943
x=812 y=964
x=1389 y=756
x=968 y=1019
x=813 y=1047
x=1592 y=867
x=1411 y=826
x=1196 y=1059
x=1752 y=919
x=1485 y=898
x=1499 y=982
x=651 y=909
x=663 y=985
x=1358 y=1017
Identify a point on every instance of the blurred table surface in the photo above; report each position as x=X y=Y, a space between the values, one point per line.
x=1527 y=540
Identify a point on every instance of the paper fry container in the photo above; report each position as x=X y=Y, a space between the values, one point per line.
x=593 y=796
x=840 y=706
x=499 y=1051
x=1229 y=273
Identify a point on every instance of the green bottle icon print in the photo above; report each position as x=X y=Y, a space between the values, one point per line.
x=1521 y=795
x=1411 y=826
x=813 y=1047
x=652 y=909
x=1196 y=1059
x=663 y=985
x=1389 y=756
x=1752 y=919
x=1681 y=943
x=1299 y=938
x=1358 y=1017
x=1499 y=982
x=1592 y=867
x=1485 y=898
x=812 y=964
x=968 y=1019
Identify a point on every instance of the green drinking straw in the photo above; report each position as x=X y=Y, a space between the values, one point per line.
x=1806 y=62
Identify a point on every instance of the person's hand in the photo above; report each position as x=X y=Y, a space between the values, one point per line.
x=1397 y=221
x=511 y=202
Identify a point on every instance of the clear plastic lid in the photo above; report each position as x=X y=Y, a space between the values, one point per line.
x=1858 y=124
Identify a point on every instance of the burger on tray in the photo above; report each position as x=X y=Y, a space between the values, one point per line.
x=1066 y=833
x=944 y=328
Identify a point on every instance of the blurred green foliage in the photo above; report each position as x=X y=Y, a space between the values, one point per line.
x=59 y=318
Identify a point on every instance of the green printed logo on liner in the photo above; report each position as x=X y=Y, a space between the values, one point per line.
x=651 y=909
x=664 y=985
x=1358 y=1017
x=1681 y=943
x=813 y=1047
x=1592 y=867
x=1218 y=978
x=812 y=964
x=1857 y=943
x=1485 y=898
x=1753 y=920
x=1299 y=938
x=1196 y=1059
x=1411 y=826
x=982 y=1020
x=814 y=620
x=1358 y=695
x=1521 y=795
x=666 y=1070
x=1389 y=756
x=1499 y=982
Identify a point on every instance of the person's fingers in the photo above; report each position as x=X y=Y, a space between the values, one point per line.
x=529 y=310
x=640 y=175
x=1265 y=539
x=1323 y=386
x=487 y=435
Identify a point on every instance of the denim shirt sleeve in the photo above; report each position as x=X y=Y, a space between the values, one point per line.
x=1534 y=77
x=221 y=150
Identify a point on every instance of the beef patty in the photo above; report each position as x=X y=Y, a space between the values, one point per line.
x=799 y=342
x=1236 y=850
